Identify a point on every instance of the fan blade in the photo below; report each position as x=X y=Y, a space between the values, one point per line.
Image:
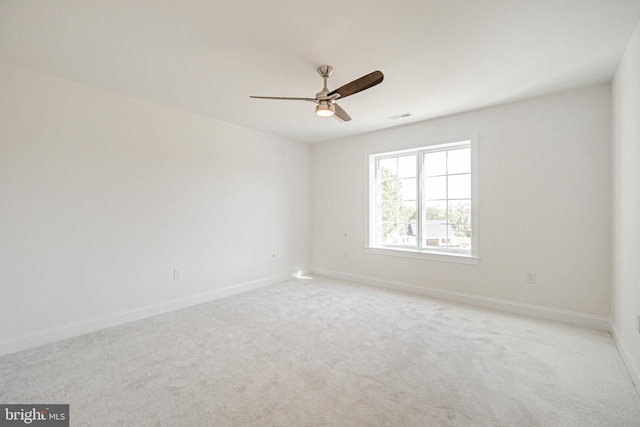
x=286 y=98
x=358 y=85
x=340 y=114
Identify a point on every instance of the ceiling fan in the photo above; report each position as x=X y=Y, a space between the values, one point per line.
x=325 y=100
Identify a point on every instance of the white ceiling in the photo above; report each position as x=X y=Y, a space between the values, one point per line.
x=207 y=56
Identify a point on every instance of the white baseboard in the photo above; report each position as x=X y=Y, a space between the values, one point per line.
x=70 y=330
x=632 y=367
x=541 y=312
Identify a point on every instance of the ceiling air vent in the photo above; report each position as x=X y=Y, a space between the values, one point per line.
x=400 y=116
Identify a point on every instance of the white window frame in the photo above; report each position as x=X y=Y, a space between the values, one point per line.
x=425 y=253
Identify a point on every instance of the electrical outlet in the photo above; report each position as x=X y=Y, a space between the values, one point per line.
x=531 y=277
x=177 y=274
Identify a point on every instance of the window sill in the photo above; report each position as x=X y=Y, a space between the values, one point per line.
x=452 y=257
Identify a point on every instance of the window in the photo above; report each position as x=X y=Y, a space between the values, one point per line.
x=421 y=200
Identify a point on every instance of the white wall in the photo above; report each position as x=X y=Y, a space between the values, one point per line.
x=626 y=205
x=101 y=196
x=544 y=205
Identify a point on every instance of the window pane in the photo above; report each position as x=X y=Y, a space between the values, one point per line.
x=408 y=211
x=399 y=234
x=436 y=232
x=390 y=190
x=390 y=233
x=407 y=167
x=408 y=189
x=459 y=161
x=398 y=205
x=435 y=163
x=391 y=166
x=435 y=188
x=435 y=210
x=460 y=186
x=389 y=211
x=460 y=218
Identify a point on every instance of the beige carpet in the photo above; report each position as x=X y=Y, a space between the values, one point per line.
x=322 y=352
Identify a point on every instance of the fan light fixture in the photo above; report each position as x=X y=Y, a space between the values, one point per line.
x=325 y=109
